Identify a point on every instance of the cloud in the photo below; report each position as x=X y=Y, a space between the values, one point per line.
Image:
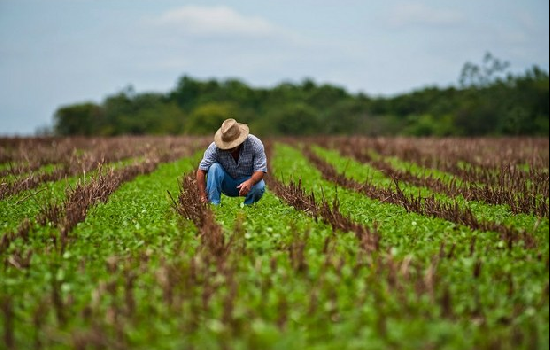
x=216 y=41
x=216 y=21
x=406 y=14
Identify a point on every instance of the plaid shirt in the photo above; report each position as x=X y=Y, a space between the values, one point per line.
x=252 y=158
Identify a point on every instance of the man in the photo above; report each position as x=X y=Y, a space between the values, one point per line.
x=235 y=164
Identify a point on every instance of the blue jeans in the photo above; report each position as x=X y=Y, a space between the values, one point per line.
x=218 y=182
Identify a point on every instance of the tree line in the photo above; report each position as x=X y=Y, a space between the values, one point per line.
x=486 y=101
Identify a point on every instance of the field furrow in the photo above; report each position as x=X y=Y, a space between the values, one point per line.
x=421 y=199
x=529 y=196
x=496 y=166
x=135 y=225
x=72 y=162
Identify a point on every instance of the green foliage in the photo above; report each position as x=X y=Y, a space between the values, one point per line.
x=426 y=125
x=408 y=234
x=207 y=118
x=487 y=101
x=133 y=274
x=292 y=119
x=78 y=119
x=483 y=212
x=147 y=121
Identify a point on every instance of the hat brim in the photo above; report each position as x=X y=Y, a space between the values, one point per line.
x=221 y=144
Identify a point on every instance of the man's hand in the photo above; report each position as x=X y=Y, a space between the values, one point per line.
x=201 y=183
x=244 y=188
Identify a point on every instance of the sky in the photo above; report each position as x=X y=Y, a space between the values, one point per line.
x=58 y=52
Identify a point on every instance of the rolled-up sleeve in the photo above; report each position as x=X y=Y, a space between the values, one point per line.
x=209 y=158
x=260 y=159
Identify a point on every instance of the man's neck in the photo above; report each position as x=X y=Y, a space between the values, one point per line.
x=235 y=154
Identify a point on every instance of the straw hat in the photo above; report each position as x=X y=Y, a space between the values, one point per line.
x=231 y=134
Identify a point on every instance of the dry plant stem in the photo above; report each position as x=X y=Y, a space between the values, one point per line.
x=428 y=206
x=294 y=195
x=498 y=179
x=96 y=152
x=190 y=206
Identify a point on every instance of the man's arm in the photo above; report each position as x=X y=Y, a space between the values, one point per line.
x=245 y=187
x=209 y=158
x=260 y=168
x=201 y=183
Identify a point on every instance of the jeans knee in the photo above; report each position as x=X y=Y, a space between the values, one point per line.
x=216 y=171
x=215 y=168
x=259 y=188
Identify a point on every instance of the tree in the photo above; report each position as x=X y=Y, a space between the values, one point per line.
x=290 y=120
x=186 y=92
x=345 y=117
x=206 y=119
x=484 y=74
x=78 y=119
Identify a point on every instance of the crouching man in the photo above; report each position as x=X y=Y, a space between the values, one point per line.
x=234 y=164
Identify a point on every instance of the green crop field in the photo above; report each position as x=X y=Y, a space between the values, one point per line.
x=357 y=244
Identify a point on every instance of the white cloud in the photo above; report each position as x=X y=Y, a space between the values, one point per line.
x=216 y=21
x=406 y=14
x=216 y=41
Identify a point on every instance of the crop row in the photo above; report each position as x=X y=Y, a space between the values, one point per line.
x=57 y=280
x=525 y=191
x=521 y=196
x=312 y=265
x=72 y=157
x=426 y=206
x=448 y=154
x=21 y=154
x=505 y=167
x=400 y=232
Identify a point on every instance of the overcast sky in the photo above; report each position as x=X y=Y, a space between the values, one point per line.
x=57 y=52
